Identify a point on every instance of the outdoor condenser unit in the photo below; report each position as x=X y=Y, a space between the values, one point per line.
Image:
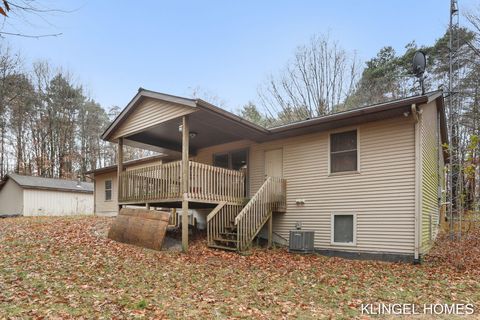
x=301 y=241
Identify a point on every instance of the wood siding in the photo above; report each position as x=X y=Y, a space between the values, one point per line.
x=149 y=113
x=430 y=143
x=382 y=194
x=11 y=199
x=56 y=203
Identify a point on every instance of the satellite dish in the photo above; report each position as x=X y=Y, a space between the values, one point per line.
x=419 y=63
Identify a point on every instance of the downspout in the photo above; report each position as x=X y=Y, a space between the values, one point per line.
x=418 y=183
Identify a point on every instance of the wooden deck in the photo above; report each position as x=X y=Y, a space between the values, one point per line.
x=162 y=184
x=233 y=222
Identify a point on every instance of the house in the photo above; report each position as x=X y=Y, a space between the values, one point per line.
x=38 y=196
x=368 y=181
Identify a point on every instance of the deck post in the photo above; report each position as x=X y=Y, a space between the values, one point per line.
x=270 y=231
x=119 y=169
x=184 y=182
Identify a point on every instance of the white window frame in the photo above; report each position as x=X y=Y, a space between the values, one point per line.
x=329 y=157
x=105 y=190
x=332 y=227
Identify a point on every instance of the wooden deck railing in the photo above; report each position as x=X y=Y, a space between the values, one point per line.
x=216 y=184
x=150 y=183
x=162 y=182
x=269 y=198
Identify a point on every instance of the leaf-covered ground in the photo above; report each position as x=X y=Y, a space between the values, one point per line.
x=66 y=268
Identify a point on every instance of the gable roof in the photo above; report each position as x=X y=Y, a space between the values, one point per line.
x=30 y=182
x=193 y=103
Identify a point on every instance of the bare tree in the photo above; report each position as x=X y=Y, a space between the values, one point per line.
x=199 y=92
x=16 y=13
x=473 y=17
x=318 y=80
x=9 y=65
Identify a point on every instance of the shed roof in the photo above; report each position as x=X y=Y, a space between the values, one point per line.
x=30 y=182
x=129 y=163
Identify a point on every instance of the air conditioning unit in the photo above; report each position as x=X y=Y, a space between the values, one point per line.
x=301 y=241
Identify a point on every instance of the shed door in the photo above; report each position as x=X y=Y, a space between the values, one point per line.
x=274 y=163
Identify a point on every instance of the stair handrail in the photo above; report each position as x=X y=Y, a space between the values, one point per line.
x=266 y=199
x=252 y=200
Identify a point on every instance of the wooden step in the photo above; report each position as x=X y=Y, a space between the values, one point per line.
x=228 y=234
x=225 y=240
x=216 y=246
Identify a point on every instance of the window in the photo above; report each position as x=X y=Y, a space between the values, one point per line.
x=238 y=160
x=343 y=152
x=221 y=160
x=343 y=229
x=108 y=190
x=235 y=160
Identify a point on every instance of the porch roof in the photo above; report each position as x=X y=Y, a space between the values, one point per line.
x=210 y=125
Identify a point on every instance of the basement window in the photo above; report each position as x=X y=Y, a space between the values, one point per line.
x=343 y=228
x=343 y=152
x=108 y=190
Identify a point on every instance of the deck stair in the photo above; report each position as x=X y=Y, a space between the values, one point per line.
x=233 y=227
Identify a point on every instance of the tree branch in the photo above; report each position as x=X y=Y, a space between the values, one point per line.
x=34 y=36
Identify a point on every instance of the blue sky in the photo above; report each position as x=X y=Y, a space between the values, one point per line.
x=225 y=48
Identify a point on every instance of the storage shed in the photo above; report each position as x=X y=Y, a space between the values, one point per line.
x=38 y=196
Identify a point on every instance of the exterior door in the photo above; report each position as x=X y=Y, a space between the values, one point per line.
x=274 y=163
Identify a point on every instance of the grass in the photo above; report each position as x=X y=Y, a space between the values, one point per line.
x=66 y=268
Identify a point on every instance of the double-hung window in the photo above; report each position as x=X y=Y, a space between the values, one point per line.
x=108 y=190
x=343 y=152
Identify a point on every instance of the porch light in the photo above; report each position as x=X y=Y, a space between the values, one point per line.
x=192 y=134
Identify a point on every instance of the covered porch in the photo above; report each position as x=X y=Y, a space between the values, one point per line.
x=177 y=128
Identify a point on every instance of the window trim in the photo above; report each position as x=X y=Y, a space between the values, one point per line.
x=105 y=190
x=329 y=157
x=332 y=227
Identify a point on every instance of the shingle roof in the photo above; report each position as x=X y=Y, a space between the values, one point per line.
x=30 y=182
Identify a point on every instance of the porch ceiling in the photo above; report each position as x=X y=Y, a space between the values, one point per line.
x=210 y=129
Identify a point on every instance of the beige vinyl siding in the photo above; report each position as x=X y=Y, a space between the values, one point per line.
x=102 y=206
x=148 y=113
x=11 y=199
x=430 y=175
x=56 y=203
x=382 y=195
